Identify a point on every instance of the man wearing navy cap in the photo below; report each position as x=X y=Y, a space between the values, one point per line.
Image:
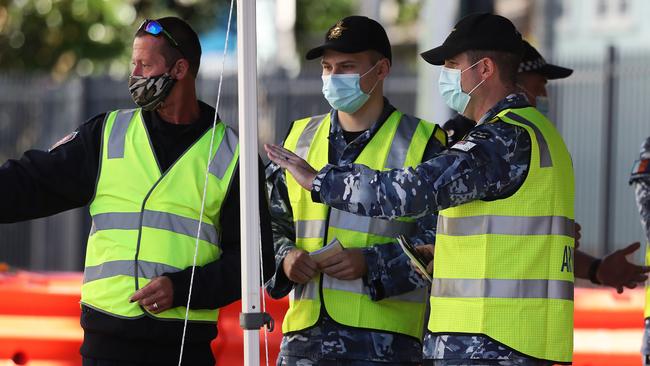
x=532 y=76
x=502 y=291
x=364 y=304
x=612 y=270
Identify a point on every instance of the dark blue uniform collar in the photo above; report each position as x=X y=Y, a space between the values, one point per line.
x=335 y=127
x=514 y=100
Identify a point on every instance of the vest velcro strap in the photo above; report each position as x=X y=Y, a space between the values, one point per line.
x=506 y=225
x=502 y=288
x=308 y=291
x=117 y=137
x=388 y=228
x=401 y=142
x=224 y=155
x=310 y=228
x=545 y=159
x=157 y=220
x=357 y=287
x=126 y=268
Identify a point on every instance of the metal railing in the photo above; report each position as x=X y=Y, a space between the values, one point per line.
x=602 y=126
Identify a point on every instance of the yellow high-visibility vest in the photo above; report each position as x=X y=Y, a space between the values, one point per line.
x=400 y=142
x=145 y=222
x=504 y=268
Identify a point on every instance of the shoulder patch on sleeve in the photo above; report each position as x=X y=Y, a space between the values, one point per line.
x=64 y=140
x=463 y=146
x=480 y=134
x=641 y=167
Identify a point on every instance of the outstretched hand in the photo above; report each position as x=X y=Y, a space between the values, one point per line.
x=294 y=164
x=617 y=272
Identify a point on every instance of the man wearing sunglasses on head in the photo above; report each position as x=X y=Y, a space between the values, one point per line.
x=142 y=172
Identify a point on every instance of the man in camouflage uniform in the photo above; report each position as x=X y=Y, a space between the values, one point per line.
x=640 y=179
x=534 y=73
x=385 y=269
x=490 y=163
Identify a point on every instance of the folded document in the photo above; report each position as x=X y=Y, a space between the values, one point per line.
x=327 y=251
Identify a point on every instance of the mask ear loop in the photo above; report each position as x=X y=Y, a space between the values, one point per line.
x=366 y=73
x=477 y=85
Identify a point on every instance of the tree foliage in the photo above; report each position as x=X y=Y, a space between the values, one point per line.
x=84 y=36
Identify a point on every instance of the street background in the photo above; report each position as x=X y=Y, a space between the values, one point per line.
x=64 y=61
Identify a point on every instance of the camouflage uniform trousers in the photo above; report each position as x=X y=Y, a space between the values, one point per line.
x=484 y=363
x=302 y=361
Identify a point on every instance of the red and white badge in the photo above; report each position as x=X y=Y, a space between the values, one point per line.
x=464 y=146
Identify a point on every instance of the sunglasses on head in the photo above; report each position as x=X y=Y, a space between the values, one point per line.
x=155 y=29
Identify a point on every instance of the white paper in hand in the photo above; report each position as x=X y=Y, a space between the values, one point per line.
x=327 y=251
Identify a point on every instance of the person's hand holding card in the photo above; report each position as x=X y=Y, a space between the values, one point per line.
x=421 y=256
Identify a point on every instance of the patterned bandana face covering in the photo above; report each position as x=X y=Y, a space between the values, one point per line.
x=149 y=92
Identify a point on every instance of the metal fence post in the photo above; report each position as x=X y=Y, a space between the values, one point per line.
x=608 y=141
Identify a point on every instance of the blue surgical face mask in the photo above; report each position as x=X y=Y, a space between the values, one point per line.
x=343 y=91
x=542 y=104
x=451 y=91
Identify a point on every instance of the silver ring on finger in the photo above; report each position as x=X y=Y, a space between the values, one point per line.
x=155 y=305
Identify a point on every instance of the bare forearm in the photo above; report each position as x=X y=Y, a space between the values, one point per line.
x=582 y=263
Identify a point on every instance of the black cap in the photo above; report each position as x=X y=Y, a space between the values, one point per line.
x=534 y=62
x=483 y=31
x=354 y=34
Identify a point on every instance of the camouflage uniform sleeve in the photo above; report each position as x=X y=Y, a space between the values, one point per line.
x=284 y=236
x=490 y=162
x=390 y=272
x=640 y=179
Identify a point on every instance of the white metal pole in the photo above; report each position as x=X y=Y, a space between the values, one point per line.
x=249 y=197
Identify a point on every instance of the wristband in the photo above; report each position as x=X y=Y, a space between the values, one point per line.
x=593 y=269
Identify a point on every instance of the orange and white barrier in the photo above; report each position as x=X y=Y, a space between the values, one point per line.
x=39 y=324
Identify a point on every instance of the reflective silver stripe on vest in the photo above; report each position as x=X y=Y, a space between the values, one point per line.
x=401 y=142
x=126 y=268
x=545 y=160
x=310 y=228
x=116 y=220
x=117 y=137
x=304 y=141
x=499 y=288
x=507 y=225
x=155 y=219
x=357 y=287
x=389 y=228
x=225 y=153
x=308 y=291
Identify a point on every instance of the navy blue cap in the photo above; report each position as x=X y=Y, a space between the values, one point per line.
x=482 y=31
x=354 y=34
